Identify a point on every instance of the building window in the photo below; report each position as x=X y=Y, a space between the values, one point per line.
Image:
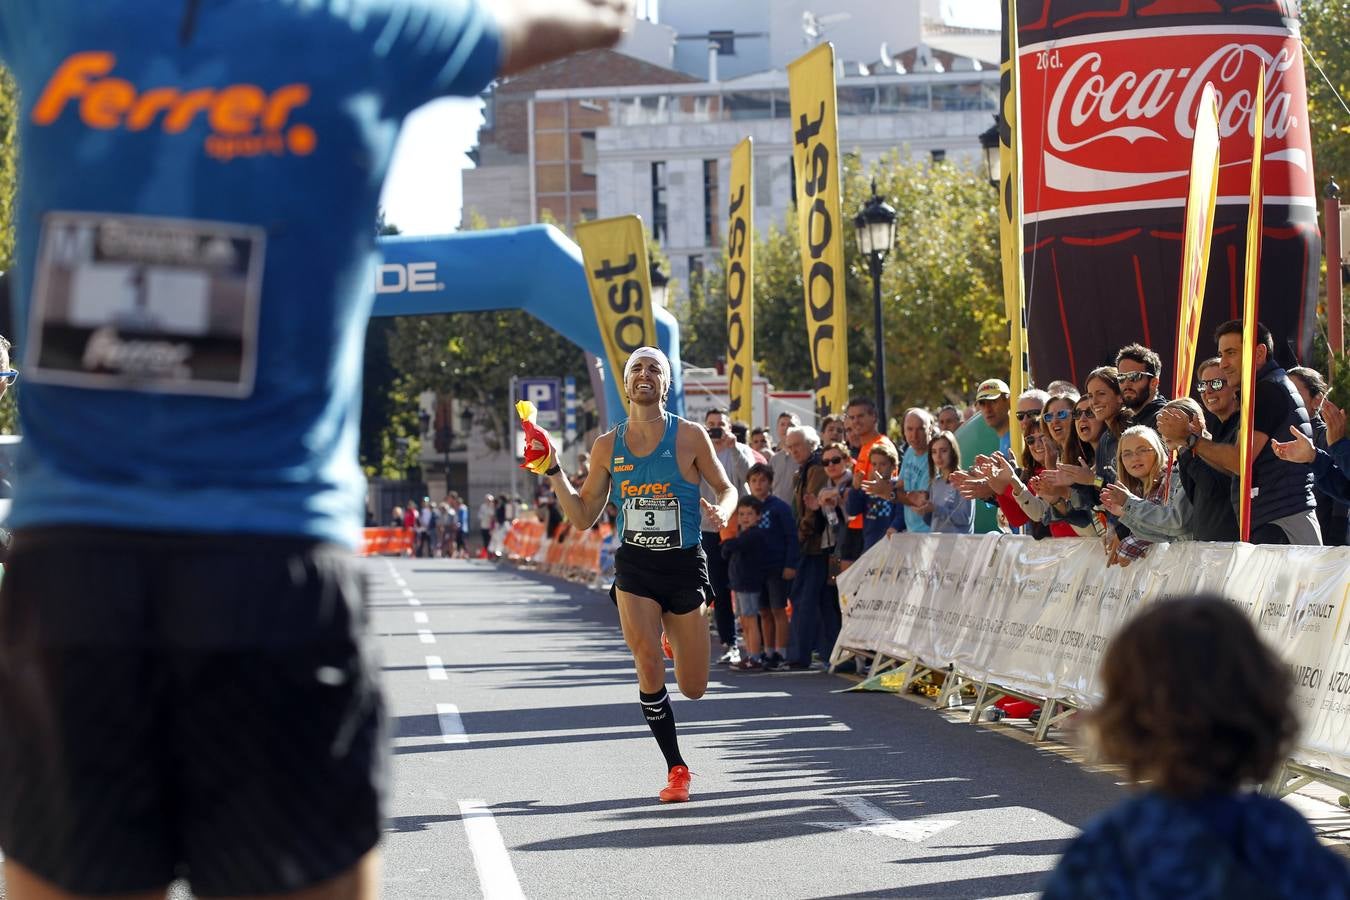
x=725 y=41
x=938 y=155
x=660 y=229
x=588 y=214
x=710 y=210
x=588 y=153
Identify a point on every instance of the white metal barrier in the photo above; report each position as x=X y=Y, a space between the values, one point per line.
x=1032 y=618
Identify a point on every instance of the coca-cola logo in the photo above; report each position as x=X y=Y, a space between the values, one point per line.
x=1092 y=101
x=1119 y=114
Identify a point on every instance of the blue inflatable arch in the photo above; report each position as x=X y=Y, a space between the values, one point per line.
x=535 y=268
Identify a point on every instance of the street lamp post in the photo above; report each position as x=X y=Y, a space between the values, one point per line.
x=876 y=235
x=660 y=284
x=992 y=153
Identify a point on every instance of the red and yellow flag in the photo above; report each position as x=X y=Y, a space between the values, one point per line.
x=1010 y=221
x=1250 y=311
x=1197 y=237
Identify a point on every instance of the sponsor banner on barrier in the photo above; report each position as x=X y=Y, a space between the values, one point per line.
x=1036 y=616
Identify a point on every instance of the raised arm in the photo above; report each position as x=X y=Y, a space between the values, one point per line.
x=582 y=509
x=534 y=32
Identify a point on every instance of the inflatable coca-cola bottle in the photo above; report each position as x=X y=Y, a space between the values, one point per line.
x=1109 y=90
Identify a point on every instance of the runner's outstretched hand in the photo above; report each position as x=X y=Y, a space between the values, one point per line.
x=534 y=32
x=714 y=512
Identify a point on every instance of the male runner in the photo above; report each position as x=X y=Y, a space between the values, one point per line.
x=650 y=467
x=185 y=687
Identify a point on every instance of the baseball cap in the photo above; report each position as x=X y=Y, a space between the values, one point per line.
x=992 y=389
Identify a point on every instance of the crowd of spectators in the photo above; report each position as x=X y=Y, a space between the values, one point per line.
x=1112 y=459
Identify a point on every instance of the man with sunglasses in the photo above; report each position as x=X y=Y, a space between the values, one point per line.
x=736 y=459
x=1282 y=504
x=1140 y=376
x=1209 y=488
x=187 y=683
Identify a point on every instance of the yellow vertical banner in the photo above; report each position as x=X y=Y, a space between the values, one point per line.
x=741 y=284
x=1010 y=221
x=815 y=156
x=614 y=252
x=1196 y=237
x=1251 y=286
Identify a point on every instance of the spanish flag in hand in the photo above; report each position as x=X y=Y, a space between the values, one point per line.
x=539 y=455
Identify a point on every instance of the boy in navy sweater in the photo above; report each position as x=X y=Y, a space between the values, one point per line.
x=875 y=499
x=746 y=550
x=784 y=551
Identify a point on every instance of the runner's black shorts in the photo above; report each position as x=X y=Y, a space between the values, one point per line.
x=676 y=579
x=186 y=706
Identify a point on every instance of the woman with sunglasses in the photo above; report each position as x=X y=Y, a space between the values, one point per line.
x=838 y=478
x=1102 y=390
x=1209 y=489
x=1037 y=501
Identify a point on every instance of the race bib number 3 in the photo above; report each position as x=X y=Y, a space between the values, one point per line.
x=146 y=304
x=652 y=523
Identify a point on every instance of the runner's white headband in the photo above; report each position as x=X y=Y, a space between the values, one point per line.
x=649 y=353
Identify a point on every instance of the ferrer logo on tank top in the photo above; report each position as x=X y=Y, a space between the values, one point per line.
x=245 y=120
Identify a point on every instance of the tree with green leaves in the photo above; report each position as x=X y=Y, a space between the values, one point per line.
x=9 y=411
x=941 y=290
x=1326 y=36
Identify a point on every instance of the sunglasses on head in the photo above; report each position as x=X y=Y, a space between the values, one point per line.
x=1084 y=414
x=1058 y=415
x=832 y=460
x=1034 y=415
x=1213 y=384
x=1131 y=377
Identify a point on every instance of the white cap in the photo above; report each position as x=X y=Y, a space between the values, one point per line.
x=649 y=353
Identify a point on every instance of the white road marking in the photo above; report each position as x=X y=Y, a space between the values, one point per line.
x=798 y=724
x=872 y=819
x=413 y=601
x=452 y=726
x=407 y=593
x=495 y=875
x=425 y=636
x=436 y=669
x=420 y=618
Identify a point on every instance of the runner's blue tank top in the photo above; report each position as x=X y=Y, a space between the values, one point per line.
x=658 y=506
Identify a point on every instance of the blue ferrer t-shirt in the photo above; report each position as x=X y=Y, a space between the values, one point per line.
x=196 y=248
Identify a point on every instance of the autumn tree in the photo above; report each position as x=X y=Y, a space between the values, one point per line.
x=941 y=290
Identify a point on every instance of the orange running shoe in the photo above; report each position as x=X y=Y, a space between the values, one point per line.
x=668 y=650
x=677 y=786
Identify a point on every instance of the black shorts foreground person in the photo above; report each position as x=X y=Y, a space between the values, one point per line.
x=1200 y=709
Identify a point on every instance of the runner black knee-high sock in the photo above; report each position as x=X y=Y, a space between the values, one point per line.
x=661 y=720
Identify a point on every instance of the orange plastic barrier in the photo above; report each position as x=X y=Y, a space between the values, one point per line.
x=387 y=542
x=524 y=538
x=570 y=554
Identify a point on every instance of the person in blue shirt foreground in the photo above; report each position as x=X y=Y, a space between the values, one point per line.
x=186 y=687
x=1201 y=710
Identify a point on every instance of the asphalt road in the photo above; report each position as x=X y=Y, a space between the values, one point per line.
x=550 y=789
x=523 y=767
